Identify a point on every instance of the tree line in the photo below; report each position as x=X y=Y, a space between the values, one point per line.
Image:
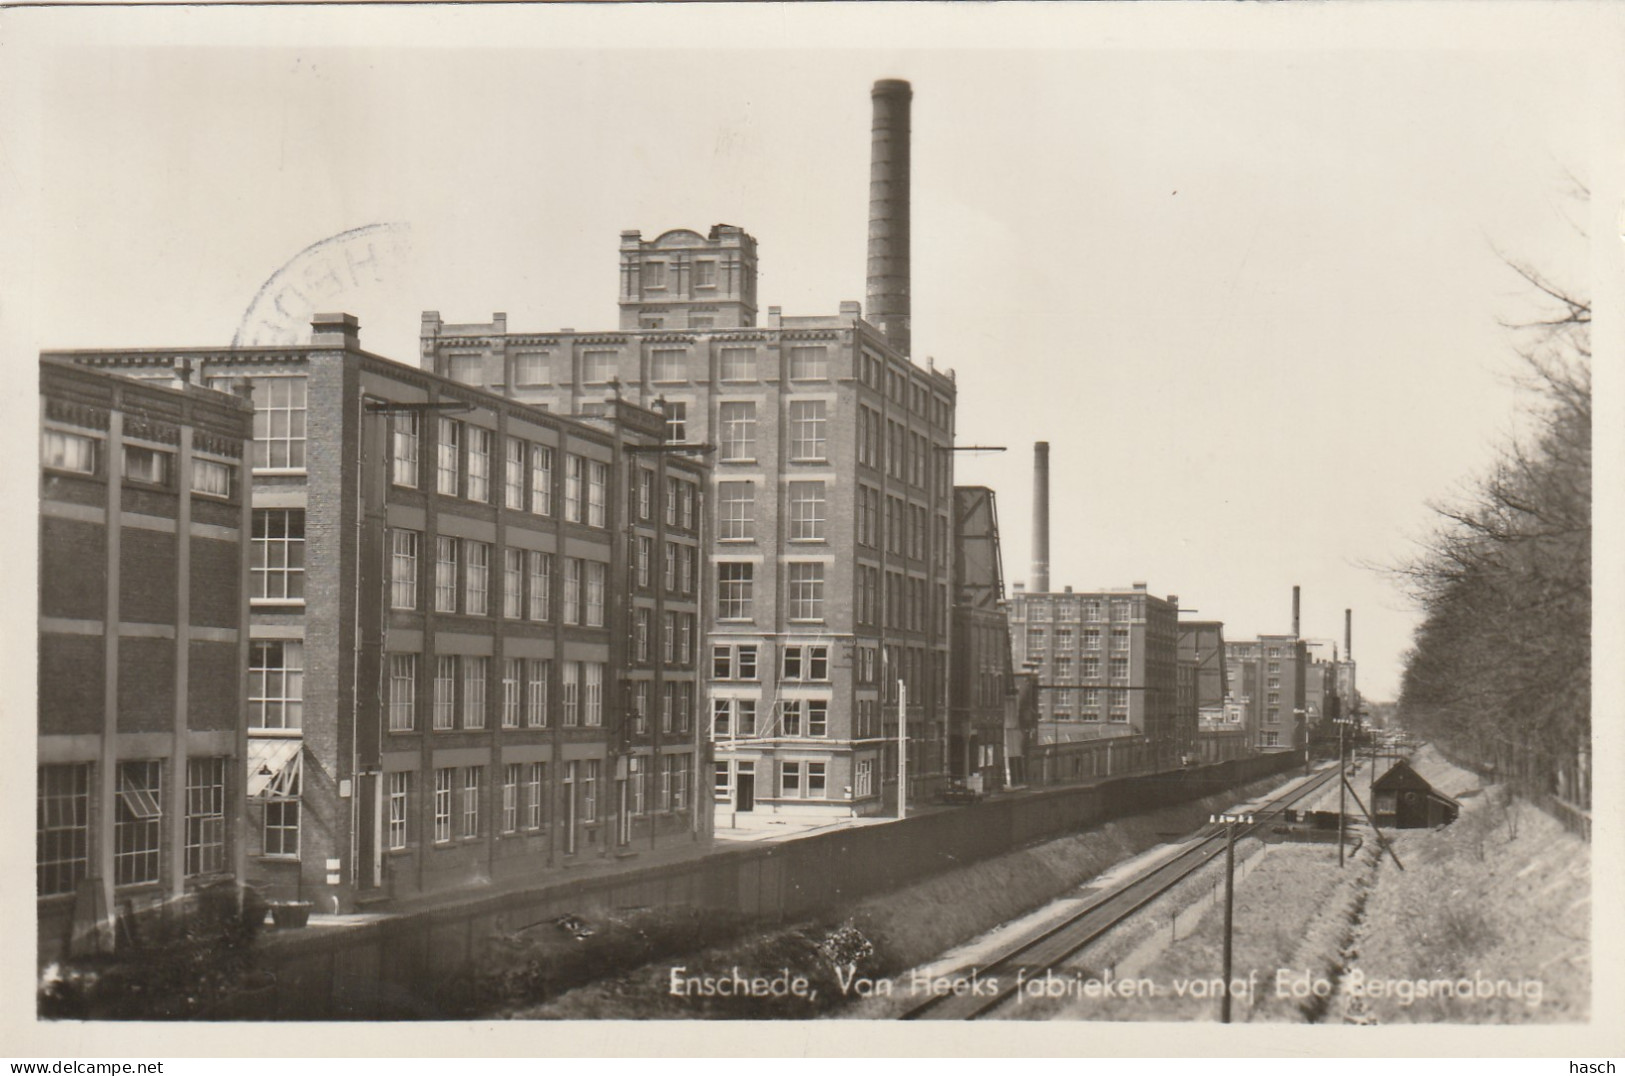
x=1499 y=675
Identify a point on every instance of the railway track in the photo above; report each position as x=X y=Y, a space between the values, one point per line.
x=1056 y=943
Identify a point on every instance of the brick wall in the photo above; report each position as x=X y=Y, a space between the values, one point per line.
x=70 y=684
x=216 y=596
x=76 y=585
x=146 y=576
x=213 y=686
x=146 y=684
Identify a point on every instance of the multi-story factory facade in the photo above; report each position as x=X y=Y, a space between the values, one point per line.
x=475 y=626
x=1106 y=661
x=831 y=511
x=1265 y=690
x=831 y=497
x=143 y=637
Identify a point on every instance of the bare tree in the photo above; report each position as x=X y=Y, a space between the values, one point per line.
x=1500 y=672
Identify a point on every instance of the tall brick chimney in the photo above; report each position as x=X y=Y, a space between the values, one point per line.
x=1295 y=632
x=1041 y=517
x=888 y=291
x=1348 y=634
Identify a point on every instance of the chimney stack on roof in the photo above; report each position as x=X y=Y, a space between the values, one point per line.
x=1041 y=517
x=888 y=293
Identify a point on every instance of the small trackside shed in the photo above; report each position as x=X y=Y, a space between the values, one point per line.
x=1403 y=799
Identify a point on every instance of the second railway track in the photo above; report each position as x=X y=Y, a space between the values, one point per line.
x=1055 y=944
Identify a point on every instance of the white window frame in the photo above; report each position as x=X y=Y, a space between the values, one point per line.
x=476 y=577
x=476 y=670
x=736 y=430
x=279 y=689
x=736 y=595
x=804 y=590
x=809 y=430
x=448 y=458
x=398 y=795
x=403 y=568
x=807 y=511
x=405 y=437
x=403 y=692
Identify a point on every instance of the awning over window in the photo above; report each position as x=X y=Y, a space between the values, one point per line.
x=273 y=767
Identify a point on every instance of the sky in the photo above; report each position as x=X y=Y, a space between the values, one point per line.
x=1248 y=283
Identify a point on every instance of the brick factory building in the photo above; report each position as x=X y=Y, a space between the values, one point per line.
x=1220 y=734
x=985 y=741
x=1265 y=690
x=1106 y=663
x=142 y=647
x=475 y=626
x=832 y=493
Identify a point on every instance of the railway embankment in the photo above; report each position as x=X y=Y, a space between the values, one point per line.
x=1488 y=921
x=847 y=956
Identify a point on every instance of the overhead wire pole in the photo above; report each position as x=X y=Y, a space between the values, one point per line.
x=1342 y=789
x=902 y=748
x=1230 y=821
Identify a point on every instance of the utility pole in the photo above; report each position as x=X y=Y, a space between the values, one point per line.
x=1342 y=788
x=902 y=748
x=1230 y=821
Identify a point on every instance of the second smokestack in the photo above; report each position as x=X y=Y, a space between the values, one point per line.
x=1348 y=634
x=1041 y=517
x=1295 y=632
x=888 y=290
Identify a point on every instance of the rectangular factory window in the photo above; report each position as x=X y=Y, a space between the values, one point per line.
x=279 y=423
x=736 y=431
x=513 y=475
x=737 y=364
x=475 y=670
x=278 y=567
x=397 y=786
x=735 y=583
x=403 y=569
x=477 y=578
x=445 y=574
x=276 y=684
x=538 y=671
x=444 y=779
x=448 y=457
x=807 y=430
x=68 y=452
x=479 y=464
x=806 y=511
x=541 y=480
x=445 y=693
x=806 y=591
x=62 y=832
x=205 y=816
x=473 y=778
x=403 y=692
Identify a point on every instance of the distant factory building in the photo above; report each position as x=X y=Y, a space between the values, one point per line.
x=1220 y=732
x=987 y=743
x=1266 y=691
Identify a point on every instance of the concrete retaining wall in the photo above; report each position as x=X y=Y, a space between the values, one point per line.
x=392 y=969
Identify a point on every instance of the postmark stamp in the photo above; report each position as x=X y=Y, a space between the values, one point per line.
x=312 y=279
